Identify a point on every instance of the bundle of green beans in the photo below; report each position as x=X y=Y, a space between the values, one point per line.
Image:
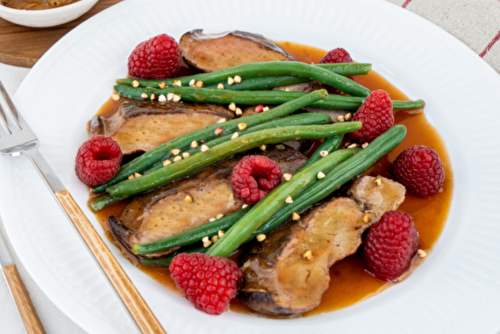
x=325 y=73
x=319 y=190
x=151 y=157
x=212 y=228
x=301 y=119
x=253 y=97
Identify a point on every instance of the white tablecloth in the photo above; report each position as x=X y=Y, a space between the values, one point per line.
x=474 y=22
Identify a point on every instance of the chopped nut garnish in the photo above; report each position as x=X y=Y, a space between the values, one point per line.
x=194 y=144
x=177 y=83
x=377 y=182
x=235 y=135
x=215 y=238
x=280 y=147
x=170 y=96
x=176 y=151
x=287 y=176
x=262 y=147
x=230 y=81
x=162 y=98
x=176 y=98
x=186 y=155
x=177 y=158
x=308 y=254
x=340 y=118
x=144 y=95
x=115 y=96
x=265 y=109
x=218 y=131
x=162 y=85
x=220 y=233
x=365 y=145
x=237 y=79
x=206 y=242
x=220 y=86
x=167 y=162
x=204 y=148
x=231 y=197
x=347 y=144
x=137 y=175
x=348 y=117
x=295 y=216
x=321 y=175
x=238 y=112
x=192 y=83
x=219 y=216
x=261 y=237
x=421 y=253
x=131 y=177
x=211 y=219
x=323 y=153
x=242 y=126
x=135 y=83
x=232 y=106
x=199 y=84
x=441 y=190
x=289 y=200
x=287 y=89
x=244 y=206
x=367 y=218
x=222 y=120
x=152 y=97
x=352 y=145
x=188 y=199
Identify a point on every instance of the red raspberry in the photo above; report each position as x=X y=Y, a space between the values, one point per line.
x=376 y=115
x=98 y=160
x=390 y=246
x=156 y=58
x=336 y=56
x=209 y=282
x=420 y=170
x=252 y=172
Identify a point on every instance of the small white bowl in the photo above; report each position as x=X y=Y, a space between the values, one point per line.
x=46 y=17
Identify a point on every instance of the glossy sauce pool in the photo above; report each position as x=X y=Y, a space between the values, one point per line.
x=350 y=283
x=35 y=4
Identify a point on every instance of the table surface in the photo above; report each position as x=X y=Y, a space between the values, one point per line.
x=475 y=22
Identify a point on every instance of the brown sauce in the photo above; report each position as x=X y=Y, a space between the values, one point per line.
x=36 y=4
x=350 y=283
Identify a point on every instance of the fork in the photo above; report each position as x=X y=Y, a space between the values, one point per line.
x=18 y=139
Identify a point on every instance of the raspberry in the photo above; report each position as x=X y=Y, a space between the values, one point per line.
x=252 y=172
x=420 y=170
x=376 y=115
x=98 y=160
x=390 y=246
x=156 y=58
x=336 y=56
x=209 y=282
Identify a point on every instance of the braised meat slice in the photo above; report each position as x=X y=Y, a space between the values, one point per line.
x=280 y=281
x=140 y=126
x=212 y=52
x=165 y=212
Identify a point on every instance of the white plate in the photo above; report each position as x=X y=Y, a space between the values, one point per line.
x=457 y=289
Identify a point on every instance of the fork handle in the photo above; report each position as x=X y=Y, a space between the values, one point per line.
x=131 y=298
x=22 y=298
x=139 y=310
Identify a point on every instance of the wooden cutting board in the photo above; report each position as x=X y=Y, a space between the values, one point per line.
x=23 y=46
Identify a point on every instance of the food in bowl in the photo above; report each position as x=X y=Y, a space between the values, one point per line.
x=36 y=4
x=276 y=177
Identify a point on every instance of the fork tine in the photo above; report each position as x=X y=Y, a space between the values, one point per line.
x=11 y=126
x=3 y=120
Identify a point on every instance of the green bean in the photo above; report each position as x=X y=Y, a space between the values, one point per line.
x=329 y=145
x=261 y=83
x=148 y=159
x=249 y=70
x=338 y=176
x=217 y=153
x=301 y=119
x=266 y=97
x=165 y=261
x=273 y=201
x=191 y=236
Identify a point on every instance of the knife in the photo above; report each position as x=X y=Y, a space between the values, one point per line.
x=19 y=293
